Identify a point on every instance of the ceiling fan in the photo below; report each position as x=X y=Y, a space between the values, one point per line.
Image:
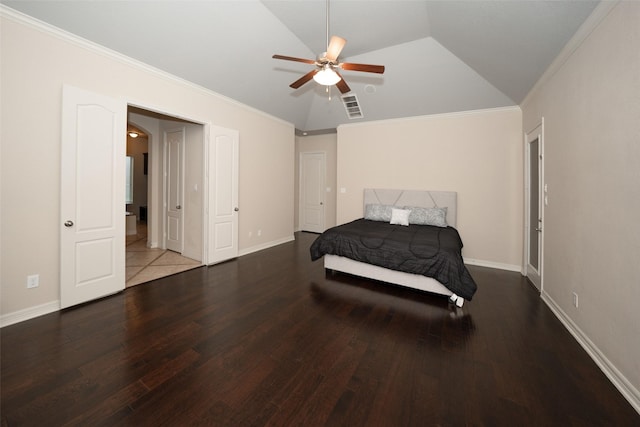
x=327 y=65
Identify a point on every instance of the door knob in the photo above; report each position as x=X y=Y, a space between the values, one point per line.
x=236 y=209
x=68 y=223
x=178 y=207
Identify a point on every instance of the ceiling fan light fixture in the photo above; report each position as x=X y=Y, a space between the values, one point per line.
x=326 y=76
x=327 y=63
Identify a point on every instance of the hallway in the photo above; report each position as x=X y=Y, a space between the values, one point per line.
x=145 y=264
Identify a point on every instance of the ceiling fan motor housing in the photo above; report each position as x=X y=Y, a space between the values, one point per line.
x=322 y=60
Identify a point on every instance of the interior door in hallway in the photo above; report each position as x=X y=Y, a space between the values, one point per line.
x=92 y=196
x=312 y=189
x=174 y=141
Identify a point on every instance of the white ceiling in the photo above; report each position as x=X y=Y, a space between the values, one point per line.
x=440 y=56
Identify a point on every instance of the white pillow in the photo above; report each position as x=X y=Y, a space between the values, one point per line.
x=400 y=216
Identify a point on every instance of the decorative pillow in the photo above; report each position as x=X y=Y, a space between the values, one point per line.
x=428 y=216
x=378 y=212
x=400 y=216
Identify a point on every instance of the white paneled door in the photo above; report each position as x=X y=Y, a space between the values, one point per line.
x=223 y=194
x=92 y=196
x=174 y=142
x=312 y=189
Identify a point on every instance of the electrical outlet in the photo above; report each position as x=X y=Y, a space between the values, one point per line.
x=575 y=300
x=259 y=232
x=33 y=281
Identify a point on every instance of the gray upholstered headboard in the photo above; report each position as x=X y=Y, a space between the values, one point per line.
x=422 y=199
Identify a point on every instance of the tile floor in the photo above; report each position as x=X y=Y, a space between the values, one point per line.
x=145 y=264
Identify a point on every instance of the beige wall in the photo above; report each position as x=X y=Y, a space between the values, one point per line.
x=36 y=61
x=477 y=154
x=591 y=110
x=266 y=184
x=318 y=144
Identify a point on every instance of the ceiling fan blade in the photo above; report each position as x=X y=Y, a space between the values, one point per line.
x=335 y=47
x=342 y=86
x=368 y=68
x=291 y=58
x=302 y=80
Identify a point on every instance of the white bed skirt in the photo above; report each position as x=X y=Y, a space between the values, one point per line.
x=357 y=268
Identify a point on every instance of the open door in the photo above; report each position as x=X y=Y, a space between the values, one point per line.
x=92 y=196
x=222 y=170
x=535 y=206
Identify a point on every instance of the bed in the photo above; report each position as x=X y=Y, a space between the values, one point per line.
x=407 y=238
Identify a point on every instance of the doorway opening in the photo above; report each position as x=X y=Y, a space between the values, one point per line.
x=147 y=255
x=93 y=191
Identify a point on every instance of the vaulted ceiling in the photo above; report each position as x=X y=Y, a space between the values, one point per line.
x=440 y=56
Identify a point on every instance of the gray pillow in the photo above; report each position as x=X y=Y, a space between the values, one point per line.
x=428 y=216
x=378 y=212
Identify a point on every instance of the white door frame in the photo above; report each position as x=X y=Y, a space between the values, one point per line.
x=536 y=277
x=301 y=188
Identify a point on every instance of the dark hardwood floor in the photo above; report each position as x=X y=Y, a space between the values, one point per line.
x=271 y=339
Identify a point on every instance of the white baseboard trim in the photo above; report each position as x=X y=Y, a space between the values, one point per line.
x=29 y=313
x=625 y=387
x=53 y=306
x=263 y=246
x=491 y=264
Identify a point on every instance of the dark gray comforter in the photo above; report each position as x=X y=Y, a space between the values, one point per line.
x=419 y=249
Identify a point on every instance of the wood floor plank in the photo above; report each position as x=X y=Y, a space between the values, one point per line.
x=271 y=338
